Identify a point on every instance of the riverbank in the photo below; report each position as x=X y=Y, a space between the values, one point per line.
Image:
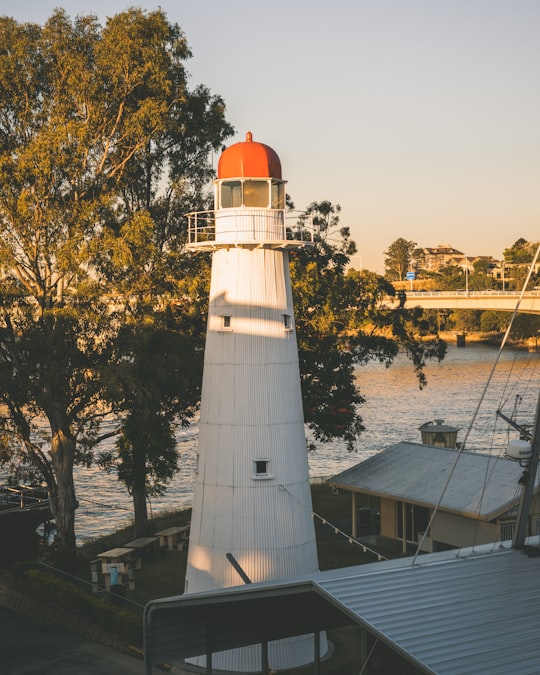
x=493 y=339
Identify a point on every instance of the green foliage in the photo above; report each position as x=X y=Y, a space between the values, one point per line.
x=122 y=622
x=520 y=252
x=525 y=326
x=103 y=147
x=153 y=384
x=494 y=322
x=398 y=259
x=342 y=322
x=466 y=319
x=451 y=277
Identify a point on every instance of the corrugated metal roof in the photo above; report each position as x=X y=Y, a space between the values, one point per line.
x=481 y=486
x=451 y=613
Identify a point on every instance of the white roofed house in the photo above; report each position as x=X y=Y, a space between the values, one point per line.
x=432 y=259
x=404 y=484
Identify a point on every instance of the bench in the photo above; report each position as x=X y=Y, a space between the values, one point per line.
x=144 y=548
x=173 y=537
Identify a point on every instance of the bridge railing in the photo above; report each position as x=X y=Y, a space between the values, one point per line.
x=466 y=294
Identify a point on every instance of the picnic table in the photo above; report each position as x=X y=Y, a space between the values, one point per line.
x=117 y=566
x=173 y=537
x=144 y=548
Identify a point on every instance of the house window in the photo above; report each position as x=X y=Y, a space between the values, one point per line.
x=414 y=521
x=261 y=469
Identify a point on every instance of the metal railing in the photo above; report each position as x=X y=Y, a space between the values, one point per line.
x=465 y=294
x=286 y=226
x=22 y=498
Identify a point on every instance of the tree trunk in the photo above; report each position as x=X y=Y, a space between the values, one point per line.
x=64 y=502
x=142 y=526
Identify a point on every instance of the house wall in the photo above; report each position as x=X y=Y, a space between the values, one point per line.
x=460 y=531
x=453 y=530
x=447 y=528
x=388 y=517
x=535 y=516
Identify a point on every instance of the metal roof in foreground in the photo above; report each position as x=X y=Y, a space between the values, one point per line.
x=456 y=612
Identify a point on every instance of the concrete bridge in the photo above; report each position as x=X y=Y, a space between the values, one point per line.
x=499 y=301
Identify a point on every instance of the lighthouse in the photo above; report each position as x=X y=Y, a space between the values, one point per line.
x=252 y=512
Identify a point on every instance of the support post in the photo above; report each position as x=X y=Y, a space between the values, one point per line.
x=527 y=492
x=404 y=526
x=317 y=646
x=354 y=516
x=265 y=669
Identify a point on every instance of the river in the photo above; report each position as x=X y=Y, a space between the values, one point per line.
x=394 y=410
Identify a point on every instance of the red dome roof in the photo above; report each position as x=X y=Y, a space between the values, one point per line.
x=249 y=159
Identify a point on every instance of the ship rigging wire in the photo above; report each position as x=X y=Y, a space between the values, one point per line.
x=482 y=397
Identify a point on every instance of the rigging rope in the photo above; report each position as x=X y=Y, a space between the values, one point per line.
x=490 y=377
x=325 y=521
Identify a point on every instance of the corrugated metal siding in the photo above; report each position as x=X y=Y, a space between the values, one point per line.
x=251 y=409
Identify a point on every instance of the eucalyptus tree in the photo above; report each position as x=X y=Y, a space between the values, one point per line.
x=102 y=145
x=154 y=384
x=398 y=259
x=342 y=322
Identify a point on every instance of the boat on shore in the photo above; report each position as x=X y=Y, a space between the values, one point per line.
x=23 y=509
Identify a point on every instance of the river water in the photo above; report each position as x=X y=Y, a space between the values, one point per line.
x=394 y=410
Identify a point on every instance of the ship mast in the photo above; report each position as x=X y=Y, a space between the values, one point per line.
x=528 y=488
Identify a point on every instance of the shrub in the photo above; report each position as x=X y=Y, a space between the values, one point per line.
x=120 y=621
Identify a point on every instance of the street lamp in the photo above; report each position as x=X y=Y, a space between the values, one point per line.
x=466 y=276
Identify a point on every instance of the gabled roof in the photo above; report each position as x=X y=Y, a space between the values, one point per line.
x=481 y=486
x=442 y=249
x=473 y=610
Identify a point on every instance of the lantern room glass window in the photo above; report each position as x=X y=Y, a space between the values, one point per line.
x=278 y=195
x=231 y=194
x=252 y=193
x=256 y=193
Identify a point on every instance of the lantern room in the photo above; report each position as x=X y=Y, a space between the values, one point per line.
x=249 y=205
x=249 y=175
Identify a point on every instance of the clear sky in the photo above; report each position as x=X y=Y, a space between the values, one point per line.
x=421 y=118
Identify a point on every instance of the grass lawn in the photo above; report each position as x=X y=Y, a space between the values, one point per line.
x=164 y=575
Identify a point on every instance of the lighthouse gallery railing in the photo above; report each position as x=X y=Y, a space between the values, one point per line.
x=287 y=226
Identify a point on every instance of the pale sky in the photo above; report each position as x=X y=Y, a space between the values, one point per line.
x=421 y=118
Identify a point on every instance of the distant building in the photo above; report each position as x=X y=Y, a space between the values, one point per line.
x=433 y=259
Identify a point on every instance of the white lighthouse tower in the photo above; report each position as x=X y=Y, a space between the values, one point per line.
x=252 y=513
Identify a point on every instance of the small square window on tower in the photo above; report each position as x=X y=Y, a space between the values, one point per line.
x=226 y=322
x=287 y=321
x=261 y=469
